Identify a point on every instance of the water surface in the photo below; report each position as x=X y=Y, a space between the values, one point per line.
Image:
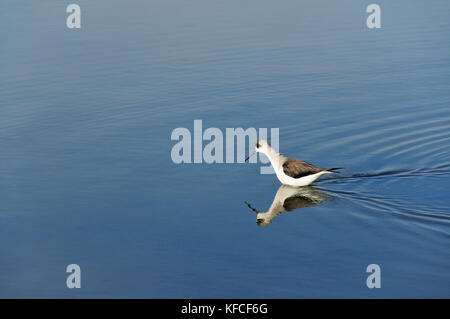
x=86 y=175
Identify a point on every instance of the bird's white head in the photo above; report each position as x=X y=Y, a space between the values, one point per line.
x=261 y=146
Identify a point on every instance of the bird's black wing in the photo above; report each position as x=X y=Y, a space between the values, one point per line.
x=297 y=168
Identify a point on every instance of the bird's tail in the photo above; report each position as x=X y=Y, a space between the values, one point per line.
x=333 y=169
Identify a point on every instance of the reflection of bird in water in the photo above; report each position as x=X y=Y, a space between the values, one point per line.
x=291 y=171
x=287 y=199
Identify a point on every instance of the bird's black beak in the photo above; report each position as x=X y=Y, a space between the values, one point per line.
x=250 y=156
x=250 y=206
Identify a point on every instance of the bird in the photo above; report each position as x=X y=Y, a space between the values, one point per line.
x=291 y=171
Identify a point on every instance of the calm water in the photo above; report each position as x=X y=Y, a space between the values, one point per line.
x=86 y=175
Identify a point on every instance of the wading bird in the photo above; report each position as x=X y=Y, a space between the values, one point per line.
x=290 y=171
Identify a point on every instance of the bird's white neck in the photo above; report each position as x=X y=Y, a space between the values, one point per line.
x=274 y=158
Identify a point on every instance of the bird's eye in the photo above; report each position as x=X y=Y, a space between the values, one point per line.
x=258 y=145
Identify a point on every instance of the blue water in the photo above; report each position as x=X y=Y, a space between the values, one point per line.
x=86 y=175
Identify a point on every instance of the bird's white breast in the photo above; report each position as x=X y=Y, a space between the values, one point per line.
x=302 y=181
